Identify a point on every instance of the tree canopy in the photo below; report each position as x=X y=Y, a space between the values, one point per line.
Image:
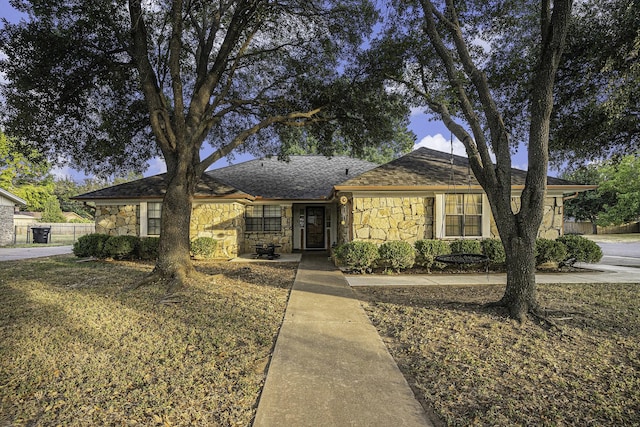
x=83 y=77
x=25 y=173
x=112 y=84
x=598 y=90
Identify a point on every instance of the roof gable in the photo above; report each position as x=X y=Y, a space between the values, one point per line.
x=425 y=167
x=12 y=197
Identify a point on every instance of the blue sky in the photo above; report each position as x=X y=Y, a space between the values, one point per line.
x=432 y=134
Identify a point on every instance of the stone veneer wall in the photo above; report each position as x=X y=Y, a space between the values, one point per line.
x=222 y=221
x=552 y=225
x=381 y=219
x=283 y=237
x=6 y=225
x=118 y=220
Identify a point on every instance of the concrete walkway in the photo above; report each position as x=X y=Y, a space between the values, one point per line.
x=592 y=273
x=330 y=366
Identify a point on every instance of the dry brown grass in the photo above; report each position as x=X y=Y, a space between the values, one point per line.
x=77 y=351
x=475 y=367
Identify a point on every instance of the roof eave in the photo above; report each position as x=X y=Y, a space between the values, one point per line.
x=563 y=187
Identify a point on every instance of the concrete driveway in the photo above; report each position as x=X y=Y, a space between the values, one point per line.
x=625 y=254
x=13 y=254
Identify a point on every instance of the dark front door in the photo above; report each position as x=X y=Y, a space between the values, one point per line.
x=315 y=228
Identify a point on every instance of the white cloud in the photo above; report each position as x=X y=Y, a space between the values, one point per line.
x=416 y=111
x=440 y=143
x=156 y=166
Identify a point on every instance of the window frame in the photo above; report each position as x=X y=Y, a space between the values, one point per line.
x=263 y=219
x=154 y=223
x=460 y=213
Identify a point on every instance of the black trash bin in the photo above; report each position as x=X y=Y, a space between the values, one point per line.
x=41 y=234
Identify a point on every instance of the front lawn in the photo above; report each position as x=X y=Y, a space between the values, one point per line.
x=76 y=351
x=475 y=367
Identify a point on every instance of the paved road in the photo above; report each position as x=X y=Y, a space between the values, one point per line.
x=626 y=254
x=12 y=254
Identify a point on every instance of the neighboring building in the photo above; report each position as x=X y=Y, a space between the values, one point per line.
x=314 y=202
x=8 y=203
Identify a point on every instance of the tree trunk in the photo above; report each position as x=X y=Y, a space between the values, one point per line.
x=174 y=261
x=520 y=294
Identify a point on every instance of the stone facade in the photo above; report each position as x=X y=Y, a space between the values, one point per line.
x=381 y=219
x=6 y=225
x=118 y=220
x=221 y=221
x=283 y=237
x=552 y=220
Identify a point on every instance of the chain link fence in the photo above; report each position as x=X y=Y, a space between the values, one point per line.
x=63 y=233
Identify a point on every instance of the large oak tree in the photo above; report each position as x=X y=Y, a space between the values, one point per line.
x=113 y=83
x=439 y=53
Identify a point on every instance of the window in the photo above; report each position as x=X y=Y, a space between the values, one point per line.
x=463 y=215
x=154 y=213
x=263 y=218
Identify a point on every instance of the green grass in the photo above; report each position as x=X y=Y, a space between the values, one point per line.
x=75 y=350
x=474 y=367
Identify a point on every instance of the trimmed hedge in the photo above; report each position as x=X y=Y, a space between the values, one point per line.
x=493 y=249
x=90 y=245
x=148 y=248
x=121 y=247
x=427 y=250
x=357 y=255
x=550 y=250
x=581 y=248
x=463 y=246
x=398 y=255
x=204 y=247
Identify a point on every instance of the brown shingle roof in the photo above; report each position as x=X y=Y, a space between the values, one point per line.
x=425 y=167
x=314 y=177
x=155 y=187
x=300 y=178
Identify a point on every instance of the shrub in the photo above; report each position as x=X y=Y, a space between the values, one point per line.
x=581 y=248
x=90 y=245
x=121 y=247
x=203 y=247
x=463 y=246
x=148 y=248
x=397 y=255
x=357 y=255
x=428 y=250
x=494 y=250
x=549 y=250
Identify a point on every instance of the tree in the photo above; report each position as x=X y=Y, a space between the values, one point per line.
x=621 y=178
x=25 y=173
x=114 y=83
x=296 y=141
x=52 y=211
x=587 y=205
x=598 y=90
x=443 y=51
x=617 y=199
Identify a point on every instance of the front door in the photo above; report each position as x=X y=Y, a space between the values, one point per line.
x=315 y=228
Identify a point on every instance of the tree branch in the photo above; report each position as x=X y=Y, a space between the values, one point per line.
x=159 y=115
x=244 y=135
